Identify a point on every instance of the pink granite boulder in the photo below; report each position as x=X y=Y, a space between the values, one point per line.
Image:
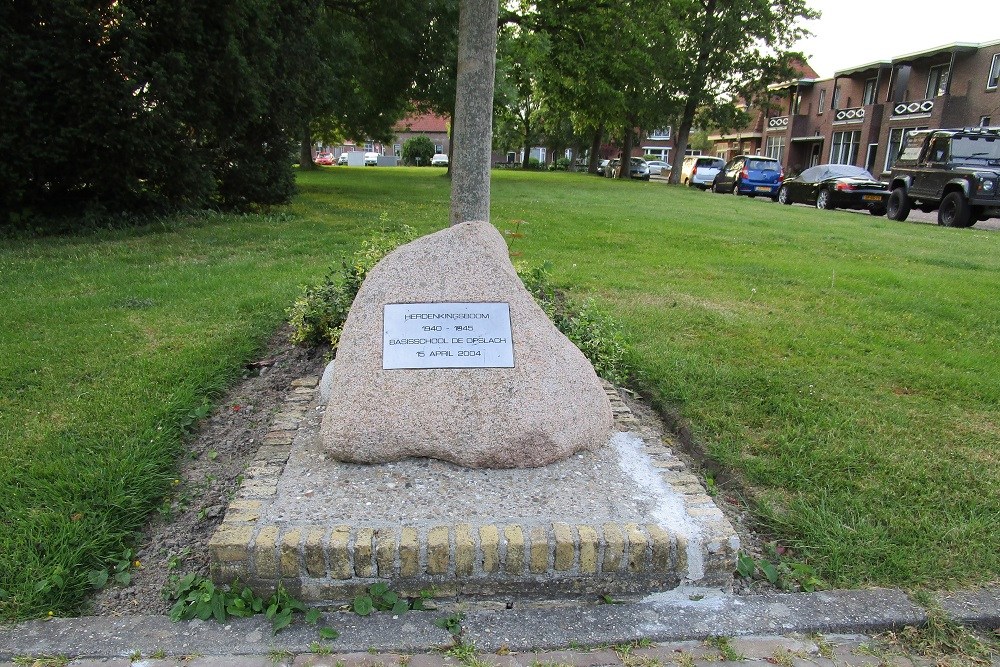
x=541 y=406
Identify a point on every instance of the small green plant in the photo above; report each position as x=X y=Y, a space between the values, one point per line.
x=786 y=574
x=135 y=656
x=320 y=649
x=942 y=638
x=466 y=653
x=380 y=598
x=120 y=571
x=158 y=654
x=41 y=661
x=725 y=648
x=277 y=655
x=452 y=623
x=198 y=597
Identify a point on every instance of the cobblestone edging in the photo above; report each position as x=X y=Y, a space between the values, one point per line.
x=335 y=561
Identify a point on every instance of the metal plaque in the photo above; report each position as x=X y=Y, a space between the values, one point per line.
x=447 y=335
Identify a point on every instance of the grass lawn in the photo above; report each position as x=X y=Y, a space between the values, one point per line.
x=844 y=366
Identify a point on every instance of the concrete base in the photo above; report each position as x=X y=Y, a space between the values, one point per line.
x=624 y=519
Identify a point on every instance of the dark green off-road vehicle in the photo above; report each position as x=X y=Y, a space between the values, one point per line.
x=955 y=172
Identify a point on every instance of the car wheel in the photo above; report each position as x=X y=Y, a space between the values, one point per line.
x=955 y=211
x=736 y=188
x=823 y=200
x=783 y=196
x=716 y=189
x=899 y=205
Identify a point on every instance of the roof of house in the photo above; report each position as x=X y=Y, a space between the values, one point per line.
x=427 y=122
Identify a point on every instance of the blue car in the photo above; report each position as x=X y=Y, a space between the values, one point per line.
x=750 y=175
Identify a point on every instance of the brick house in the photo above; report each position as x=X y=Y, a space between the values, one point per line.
x=430 y=125
x=860 y=115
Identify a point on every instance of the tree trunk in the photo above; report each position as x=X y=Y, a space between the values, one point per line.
x=625 y=166
x=694 y=92
x=305 y=151
x=473 y=123
x=595 y=147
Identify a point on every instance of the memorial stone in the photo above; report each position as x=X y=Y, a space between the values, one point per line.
x=446 y=355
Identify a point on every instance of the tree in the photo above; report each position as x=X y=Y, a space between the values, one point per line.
x=715 y=80
x=518 y=99
x=141 y=106
x=472 y=125
x=418 y=150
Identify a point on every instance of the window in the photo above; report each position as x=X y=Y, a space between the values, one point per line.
x=660 y=153
x=822 y=100
x=775 y=147
x=869 y=96
x=660 y=133
x=895 y=140
x=796 y=104
x=397 y=150
x=937 y=81
x=438 y=148
x=984 y=121
x=836 y=98
x=844 y=149
x=369 y=147
x=994 y=78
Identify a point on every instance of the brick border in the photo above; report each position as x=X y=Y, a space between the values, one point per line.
x=337 y=561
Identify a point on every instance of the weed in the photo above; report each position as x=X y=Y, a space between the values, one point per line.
x=725 y=648
x=824 y=646
x=787 y=574
x=120 y=571
x=942 y=638
x=198 y=597
x=158 y=654
x=452 y=623
x=41 y=661
x=684 y=659
x=466 y=653
x=782 y=659
x=135 y=656
x=277 y=655
x=320 y=649
x=380 y=598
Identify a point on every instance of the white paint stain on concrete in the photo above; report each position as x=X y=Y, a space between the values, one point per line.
x=669 y=511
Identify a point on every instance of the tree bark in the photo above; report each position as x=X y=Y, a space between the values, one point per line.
x=595 y=147
x=473 y=125
x=625 y=166
x=305 y=151
x=694 y=92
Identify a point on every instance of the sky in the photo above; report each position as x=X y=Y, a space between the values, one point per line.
x=857 y=32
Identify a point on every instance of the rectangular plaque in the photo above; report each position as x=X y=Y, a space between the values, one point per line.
x=447 y=335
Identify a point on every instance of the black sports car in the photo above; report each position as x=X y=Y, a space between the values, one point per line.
x=836 y=186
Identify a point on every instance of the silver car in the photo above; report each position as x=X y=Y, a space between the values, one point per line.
x=698 y=171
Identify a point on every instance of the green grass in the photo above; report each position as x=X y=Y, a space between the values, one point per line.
x=843 y=365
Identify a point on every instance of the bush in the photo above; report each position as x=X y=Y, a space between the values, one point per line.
x=562 y=164
x=418 y=151
x=533 y=163
x=317 y=317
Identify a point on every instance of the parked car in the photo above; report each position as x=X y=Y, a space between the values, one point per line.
x=657 y=167
x=750 y=175
x=698 y=171
x=325 y=159
x=342 y=160
x=371 y=159
x=439 y=160
x=637 y=169
x=602 y=167
x=955 y=172
x=836 y=186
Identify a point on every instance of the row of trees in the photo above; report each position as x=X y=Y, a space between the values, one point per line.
x=580 y=72
x=136 y=106
x=150 y=105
